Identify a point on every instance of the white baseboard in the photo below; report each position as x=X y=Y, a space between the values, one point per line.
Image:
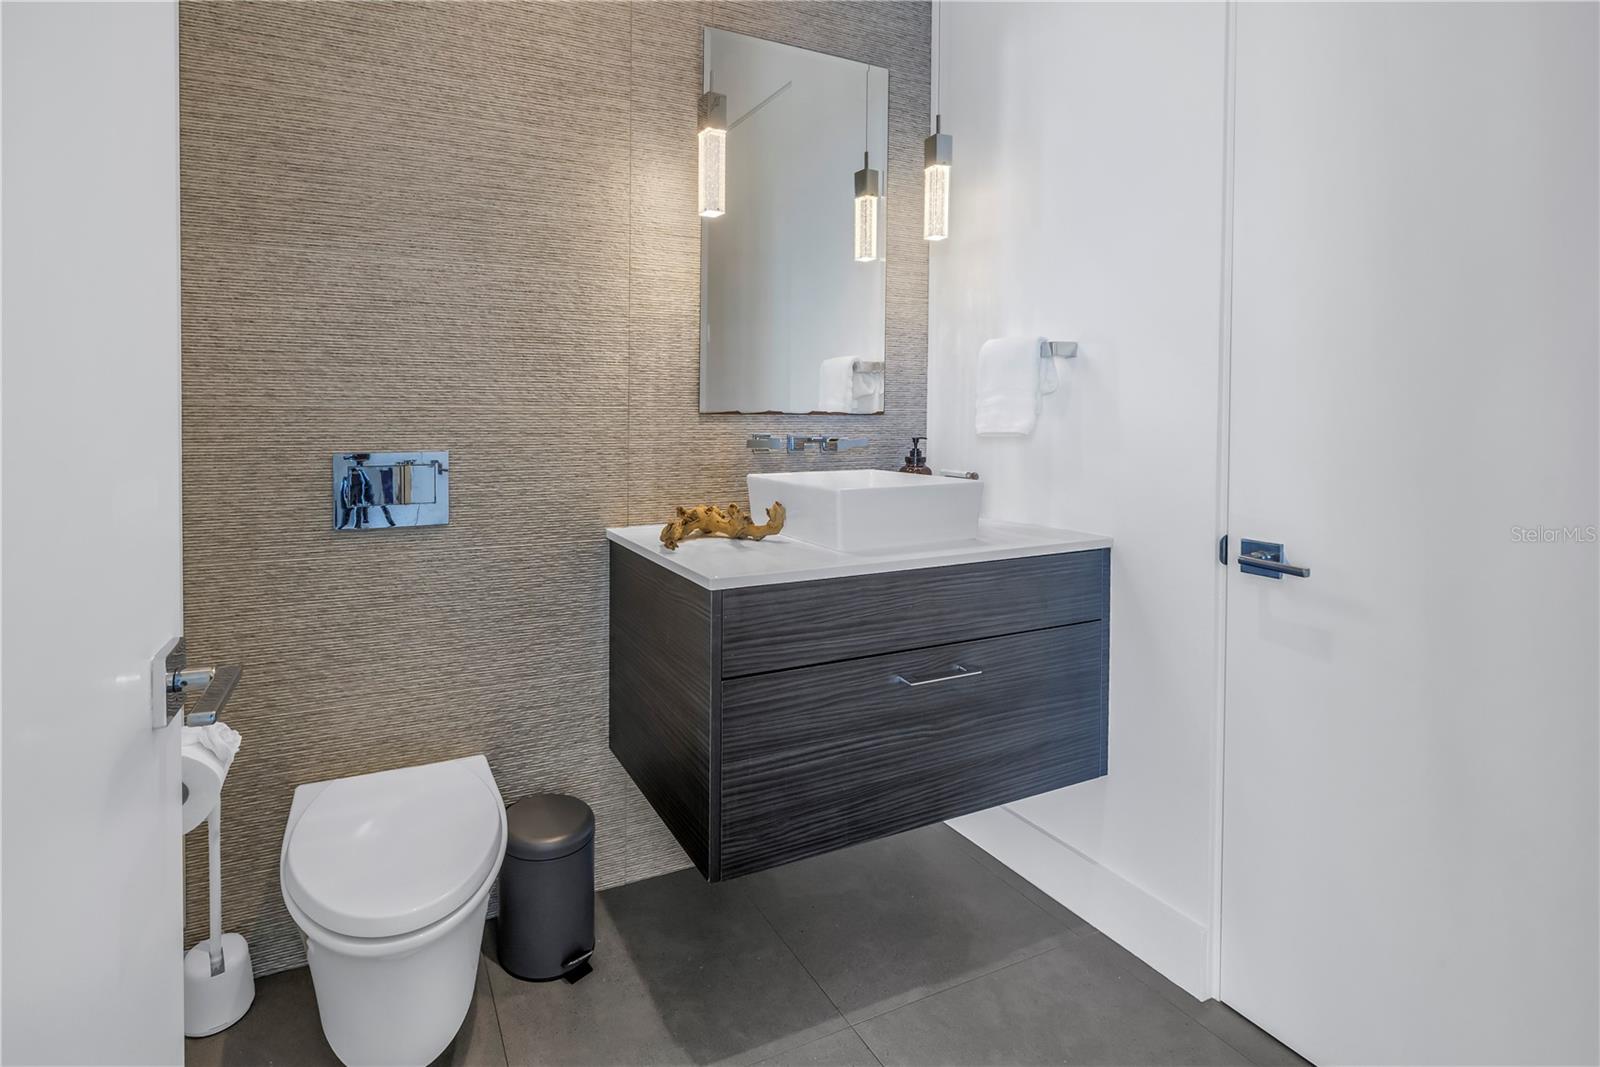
x=1150 y=928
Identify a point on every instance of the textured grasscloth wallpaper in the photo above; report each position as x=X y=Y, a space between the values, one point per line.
x=467 y=226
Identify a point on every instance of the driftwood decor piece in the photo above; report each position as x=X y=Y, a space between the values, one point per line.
x=708 y=520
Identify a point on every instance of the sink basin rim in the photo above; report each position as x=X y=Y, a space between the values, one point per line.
x=870 y=510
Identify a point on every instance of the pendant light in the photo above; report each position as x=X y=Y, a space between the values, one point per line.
x=868 y=189
x=713 y=154
x=936 y=156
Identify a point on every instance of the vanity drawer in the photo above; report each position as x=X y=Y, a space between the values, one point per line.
x=821 y=757
x=775 y=627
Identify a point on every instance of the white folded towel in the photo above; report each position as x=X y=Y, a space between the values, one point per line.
x=1013 y=378
x=219 y=739
x=866 y=388
x=835 y=385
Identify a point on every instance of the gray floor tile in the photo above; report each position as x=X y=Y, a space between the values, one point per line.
x=885 y=923
x=478 y=1044
x=282 y=1028
x=684 y=972
x=1064 y=1007
x=1113 y=955
x=922 y=926
x=1260 y=1047
x=1068 y=918
x=844 y=1049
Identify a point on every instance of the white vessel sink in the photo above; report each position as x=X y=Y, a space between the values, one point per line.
x=867 y=511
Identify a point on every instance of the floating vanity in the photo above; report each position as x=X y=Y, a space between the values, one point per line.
x=777 y=699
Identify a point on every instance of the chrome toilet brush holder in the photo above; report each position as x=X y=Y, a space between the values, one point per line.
x=218 y=986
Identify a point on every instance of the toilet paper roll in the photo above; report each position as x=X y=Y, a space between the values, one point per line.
x=207 y=755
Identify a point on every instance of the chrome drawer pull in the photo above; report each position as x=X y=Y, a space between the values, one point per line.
x=960 y=672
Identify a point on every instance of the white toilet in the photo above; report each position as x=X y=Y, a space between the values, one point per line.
x=388 y=877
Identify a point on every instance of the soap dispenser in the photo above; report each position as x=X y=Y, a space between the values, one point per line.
x=916 y=462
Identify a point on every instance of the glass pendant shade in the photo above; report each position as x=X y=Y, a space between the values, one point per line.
x=713 y=154
x=867 y=196
x=936 y=185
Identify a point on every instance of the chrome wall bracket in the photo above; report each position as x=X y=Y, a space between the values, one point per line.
x=164 y=703
x=379 y=490
x=172 y=679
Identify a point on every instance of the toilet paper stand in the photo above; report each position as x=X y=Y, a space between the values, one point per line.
x=218 y=987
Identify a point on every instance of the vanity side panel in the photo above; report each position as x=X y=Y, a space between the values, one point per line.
x=714 y=868
x=796 y=624
x=1105 y=664
x=662 y=682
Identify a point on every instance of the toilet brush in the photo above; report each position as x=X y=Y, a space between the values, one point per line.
x=218 y=987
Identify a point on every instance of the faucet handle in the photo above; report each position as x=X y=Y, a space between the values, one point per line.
x=839 y=444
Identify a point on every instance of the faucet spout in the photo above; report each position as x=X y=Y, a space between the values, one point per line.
x=767 y=442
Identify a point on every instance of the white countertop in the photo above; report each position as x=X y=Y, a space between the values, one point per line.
x=722 y=563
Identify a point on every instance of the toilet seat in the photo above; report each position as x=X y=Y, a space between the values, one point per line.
x=377 y=948
x=385 y=855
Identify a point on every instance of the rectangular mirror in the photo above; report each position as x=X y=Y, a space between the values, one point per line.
x=791 y=320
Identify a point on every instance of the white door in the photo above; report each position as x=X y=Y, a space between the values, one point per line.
x=91 y=933
x=1410 y=812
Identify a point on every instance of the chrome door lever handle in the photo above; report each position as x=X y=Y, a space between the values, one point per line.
x=1273 y=565
x=1265 y=559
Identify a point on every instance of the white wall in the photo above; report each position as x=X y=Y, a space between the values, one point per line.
x=1087 y=193
x=91 y=867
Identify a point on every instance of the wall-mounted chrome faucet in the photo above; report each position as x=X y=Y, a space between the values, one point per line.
x=788 y=442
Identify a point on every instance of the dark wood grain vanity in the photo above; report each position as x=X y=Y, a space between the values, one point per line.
x=770 y=720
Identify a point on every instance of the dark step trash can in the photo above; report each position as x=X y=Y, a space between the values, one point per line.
x=546 y=927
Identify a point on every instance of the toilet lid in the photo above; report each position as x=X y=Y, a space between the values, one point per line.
x=384 y=854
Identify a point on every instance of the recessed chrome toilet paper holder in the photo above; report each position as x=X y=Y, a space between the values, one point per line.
x=171 y=679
